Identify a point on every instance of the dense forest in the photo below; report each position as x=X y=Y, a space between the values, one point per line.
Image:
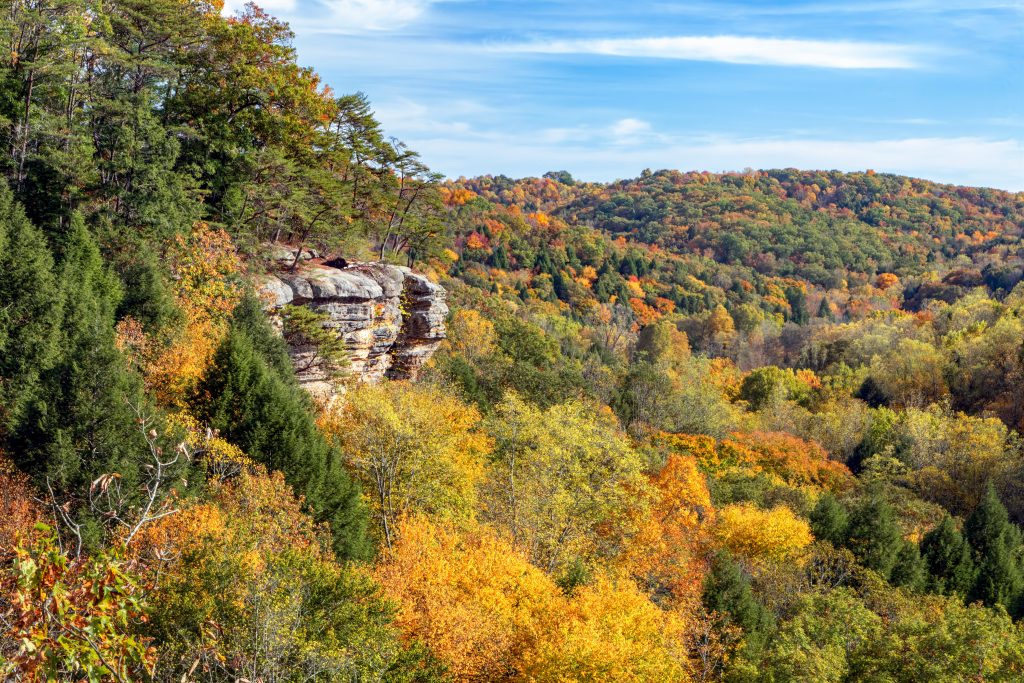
x=758 y=426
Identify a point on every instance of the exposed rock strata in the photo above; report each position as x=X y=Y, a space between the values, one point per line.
x=392 y=319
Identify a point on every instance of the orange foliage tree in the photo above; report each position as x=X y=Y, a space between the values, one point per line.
x=665 y=553
x=489 y=615
x=18 y=511
x=206 y=271
x=787 y=458
x=474 y=600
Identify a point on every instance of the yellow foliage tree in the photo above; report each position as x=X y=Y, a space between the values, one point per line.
x=613 y=632
x=761 y=536
x=206 y=270
x=489 y=615
x=415 y=448
x=562 y=481
x=470 y=597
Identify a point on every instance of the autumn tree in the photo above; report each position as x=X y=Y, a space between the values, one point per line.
x=473 y=599
x=246 y=586
x=69 y=618
x=415 y=449
x=557 y=478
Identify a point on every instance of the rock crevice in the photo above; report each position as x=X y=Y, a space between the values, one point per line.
x=390 y=318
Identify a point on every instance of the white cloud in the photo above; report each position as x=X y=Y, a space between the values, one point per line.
x=272 y=6
x=737 y=50
x=341 y=16
x=629 y=129
x=375 y=15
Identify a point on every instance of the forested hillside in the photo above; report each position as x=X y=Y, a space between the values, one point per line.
x=761 y=426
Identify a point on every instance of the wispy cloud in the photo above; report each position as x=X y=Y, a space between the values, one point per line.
x=342 y=16
x=737 y=50
x=375 y=15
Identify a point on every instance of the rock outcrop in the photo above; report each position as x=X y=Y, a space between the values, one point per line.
x=391 y=319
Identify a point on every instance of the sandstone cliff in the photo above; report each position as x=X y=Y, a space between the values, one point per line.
x=392 y=319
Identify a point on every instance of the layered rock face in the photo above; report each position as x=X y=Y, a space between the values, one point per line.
x=391 y=319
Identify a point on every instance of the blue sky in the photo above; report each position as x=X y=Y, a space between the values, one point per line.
x=605 y=89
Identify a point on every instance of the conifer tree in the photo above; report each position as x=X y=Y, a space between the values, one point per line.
x=825 y=310
x=909 y=570
x=873 y=536
x=727 y=591
x=829 y=520
x=29 y=310
x=995 y=542
x=251 y=397
x=85 y=420
x=948 y=557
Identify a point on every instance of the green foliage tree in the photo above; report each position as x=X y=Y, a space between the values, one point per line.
x=251 y=397
x=30 y=312
x=84 y=421
x=829 y=520
x=727 y=592
x=909 y=569
x=948 y=557
x=873 y=535
x=996 y=543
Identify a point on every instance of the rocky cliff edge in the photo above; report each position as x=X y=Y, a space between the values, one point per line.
x=391 y=319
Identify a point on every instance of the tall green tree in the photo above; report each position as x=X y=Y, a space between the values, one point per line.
x=829 y=520
x=996 y=543
x=30 y=310
x=873 y=536
x=727 y=592
x=948 y=557
x=85 y=419
x=909 y=569
x=251 y=397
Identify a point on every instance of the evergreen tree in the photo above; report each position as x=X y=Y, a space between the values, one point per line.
x=251 y=397
x=873 y=536
x=147 y=297
x=996 y=543
x=948 y=558
x=84 y=421
x=727 y=591
x=797 y=299
x=909 y=569
x=29 y=310
x=825 y=310
x=829 y=520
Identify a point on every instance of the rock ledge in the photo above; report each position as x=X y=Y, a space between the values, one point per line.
x=392 y=319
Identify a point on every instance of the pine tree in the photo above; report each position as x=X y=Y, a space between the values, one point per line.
x=948 y=558
x=909 y=570
x=995 y=542
x=727 y=591
x=873 y=536
x=251 y=397
x=30 y=308
x=829 y=520
x=84 y=421
x=825 y=310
